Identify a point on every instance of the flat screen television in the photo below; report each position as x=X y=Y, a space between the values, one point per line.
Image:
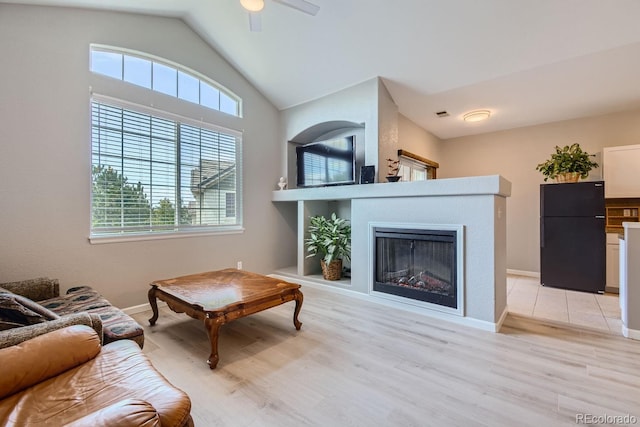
x=328 y=162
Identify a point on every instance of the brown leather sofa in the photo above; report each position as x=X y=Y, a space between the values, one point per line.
x=66 y=377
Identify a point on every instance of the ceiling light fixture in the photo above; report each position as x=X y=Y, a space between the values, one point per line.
x=252 y=5
x=476 y=116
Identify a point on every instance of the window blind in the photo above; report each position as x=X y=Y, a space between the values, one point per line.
x=155 y=174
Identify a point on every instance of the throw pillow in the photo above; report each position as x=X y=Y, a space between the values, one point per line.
x=5 y=324
x=21 y=311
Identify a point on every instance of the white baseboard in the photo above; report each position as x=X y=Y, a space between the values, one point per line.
x=141 y=308
x=466 y=321
x=634 y=334
x=523 y=273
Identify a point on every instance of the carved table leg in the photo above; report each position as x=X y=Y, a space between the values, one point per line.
x=213 y=327
x=298 y=297
x=154 y=305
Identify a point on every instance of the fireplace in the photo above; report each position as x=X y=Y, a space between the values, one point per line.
x=419 y=264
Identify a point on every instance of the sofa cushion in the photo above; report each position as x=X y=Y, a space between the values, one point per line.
x=117 y=324
x=20 y=311
x=80 y=298
x=46 y=356
x=126 y=413
x=120 y=371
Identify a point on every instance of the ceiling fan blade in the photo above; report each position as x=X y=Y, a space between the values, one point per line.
x=301 y=5
x=255 y=22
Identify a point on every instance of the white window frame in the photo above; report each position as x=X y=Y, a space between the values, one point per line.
x=178 y=232
x=408 y=166
x=173 y=65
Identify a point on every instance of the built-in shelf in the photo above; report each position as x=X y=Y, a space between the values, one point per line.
x=477 y=204
x=292 y=272
x=619 y=211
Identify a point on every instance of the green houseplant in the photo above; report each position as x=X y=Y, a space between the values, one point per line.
x=331 y=238
x=567 y=164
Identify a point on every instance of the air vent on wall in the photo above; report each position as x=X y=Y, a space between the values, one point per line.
x=442 y=114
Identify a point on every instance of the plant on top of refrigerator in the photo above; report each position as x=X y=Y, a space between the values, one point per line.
x=568 y=159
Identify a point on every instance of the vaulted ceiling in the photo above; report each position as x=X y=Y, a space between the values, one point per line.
x=528 y=62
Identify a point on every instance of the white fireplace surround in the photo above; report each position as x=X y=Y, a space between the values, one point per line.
x=478 y=204
x=458 y=228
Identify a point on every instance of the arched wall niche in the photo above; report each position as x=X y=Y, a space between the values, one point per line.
x=324 y=130
x=327 y=130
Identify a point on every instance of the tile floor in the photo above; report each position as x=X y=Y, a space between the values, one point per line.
x=526 y=297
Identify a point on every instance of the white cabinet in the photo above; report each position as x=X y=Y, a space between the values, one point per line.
x=621 y=170
x=613 y=263
x=630 y=281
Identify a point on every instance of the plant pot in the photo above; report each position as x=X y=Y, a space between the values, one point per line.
x=333 y=271
x=393 y=178
x=568 y=177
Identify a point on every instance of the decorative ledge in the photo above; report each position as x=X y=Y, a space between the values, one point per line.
x=467 y=186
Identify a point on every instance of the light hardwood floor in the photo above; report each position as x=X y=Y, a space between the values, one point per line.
x=356 y=363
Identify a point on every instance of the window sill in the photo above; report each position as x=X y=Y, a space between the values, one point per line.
x=121 y=238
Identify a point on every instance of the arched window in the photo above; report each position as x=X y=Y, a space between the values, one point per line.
x=156 y=173
x=163 y=76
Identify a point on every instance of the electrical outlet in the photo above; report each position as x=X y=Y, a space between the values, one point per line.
x=239 y=265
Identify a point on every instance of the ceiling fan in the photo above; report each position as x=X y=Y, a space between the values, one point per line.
x=255 y=6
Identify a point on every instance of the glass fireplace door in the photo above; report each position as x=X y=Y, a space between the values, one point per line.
x=416 y=264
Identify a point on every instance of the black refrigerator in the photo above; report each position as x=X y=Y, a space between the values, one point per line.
x=572 y=236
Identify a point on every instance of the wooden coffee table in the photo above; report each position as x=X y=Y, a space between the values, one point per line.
x=218 y=297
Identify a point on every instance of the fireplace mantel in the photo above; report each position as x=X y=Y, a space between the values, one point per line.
x=476 y=203
x=480 y=185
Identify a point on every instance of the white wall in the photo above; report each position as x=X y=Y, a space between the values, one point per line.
x=355 y=104
x=45 y=157
x=515 y=153
x=370 y=103
x=485 y=289
x=630 y=281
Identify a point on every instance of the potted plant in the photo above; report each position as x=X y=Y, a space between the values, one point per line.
x=393 y=166
x=567 y=164
x=331 y=238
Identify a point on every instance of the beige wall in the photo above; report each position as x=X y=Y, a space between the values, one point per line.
x=45 y=157
x=515 y=153
x=387 y=130
x=416 y=140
